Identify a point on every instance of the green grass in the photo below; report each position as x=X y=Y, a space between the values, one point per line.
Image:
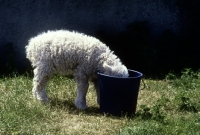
x=168 y=106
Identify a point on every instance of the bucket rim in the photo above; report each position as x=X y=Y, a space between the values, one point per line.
x=139 y=75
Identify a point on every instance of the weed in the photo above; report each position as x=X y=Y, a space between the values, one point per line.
x=156 y=112
x=144 y=113
x=186 y=84
x=187 y=81
x=159 y=110
x=187 y=105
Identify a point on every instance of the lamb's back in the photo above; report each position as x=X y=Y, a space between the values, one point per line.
x=65 y=48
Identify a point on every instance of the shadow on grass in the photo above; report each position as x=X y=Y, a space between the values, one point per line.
x=68 y=105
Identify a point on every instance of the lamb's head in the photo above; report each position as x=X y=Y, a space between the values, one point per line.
x=118 y=70
x=112 y=65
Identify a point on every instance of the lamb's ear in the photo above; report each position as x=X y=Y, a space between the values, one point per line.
x=107 y=67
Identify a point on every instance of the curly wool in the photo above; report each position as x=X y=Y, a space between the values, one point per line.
x=64 y=52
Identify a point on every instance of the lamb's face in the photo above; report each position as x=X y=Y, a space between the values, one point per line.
x=117 y=70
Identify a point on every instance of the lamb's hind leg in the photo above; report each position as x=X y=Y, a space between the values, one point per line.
x=82 y=88
x=39 y=84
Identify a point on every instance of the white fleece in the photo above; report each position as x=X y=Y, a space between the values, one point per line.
x=71 y=53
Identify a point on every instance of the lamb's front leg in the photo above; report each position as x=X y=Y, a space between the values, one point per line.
x=82 y=88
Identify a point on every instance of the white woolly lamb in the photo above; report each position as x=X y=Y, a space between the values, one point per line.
x=71 y=53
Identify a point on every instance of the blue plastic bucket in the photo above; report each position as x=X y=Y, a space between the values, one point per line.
x=119 y=95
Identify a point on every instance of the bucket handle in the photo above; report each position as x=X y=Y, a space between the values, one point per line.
x=144 y=85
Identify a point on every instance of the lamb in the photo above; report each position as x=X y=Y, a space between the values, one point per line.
x=66 y=52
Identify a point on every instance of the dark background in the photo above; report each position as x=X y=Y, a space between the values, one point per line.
x=151 y=36
x=167 y=52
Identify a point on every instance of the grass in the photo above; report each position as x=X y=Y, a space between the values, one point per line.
x=169 y=106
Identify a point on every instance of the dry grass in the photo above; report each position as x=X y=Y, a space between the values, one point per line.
x=21 y=114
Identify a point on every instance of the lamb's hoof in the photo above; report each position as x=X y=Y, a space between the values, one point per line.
x=41 y=96
x=80 y=105
x=46 y=100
